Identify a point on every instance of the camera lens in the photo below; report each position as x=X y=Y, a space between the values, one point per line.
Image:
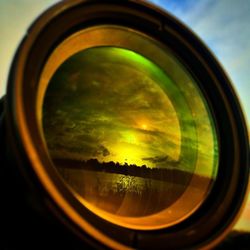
x=122 y=129
x=132 y=137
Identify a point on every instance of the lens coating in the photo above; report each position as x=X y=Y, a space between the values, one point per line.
x=129 y=140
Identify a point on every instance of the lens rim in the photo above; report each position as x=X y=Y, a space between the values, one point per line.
x=224 y=202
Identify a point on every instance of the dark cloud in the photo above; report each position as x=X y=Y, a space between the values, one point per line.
x=156 y=159
x=150 y=132
x=101 y=151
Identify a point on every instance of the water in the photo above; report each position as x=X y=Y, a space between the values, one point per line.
x=121 y=194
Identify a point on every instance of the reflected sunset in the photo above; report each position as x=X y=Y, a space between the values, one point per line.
x=125 y=136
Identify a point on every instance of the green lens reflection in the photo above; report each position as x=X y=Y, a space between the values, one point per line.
x=124 y=136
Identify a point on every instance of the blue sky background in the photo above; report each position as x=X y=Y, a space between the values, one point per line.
x=224 y=25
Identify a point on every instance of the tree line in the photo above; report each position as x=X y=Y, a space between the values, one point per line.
x=164 y=174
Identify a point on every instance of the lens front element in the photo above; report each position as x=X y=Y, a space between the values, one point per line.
x=128 y=129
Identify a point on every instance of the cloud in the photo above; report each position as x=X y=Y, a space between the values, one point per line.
x=101 y=151
x=156 y=159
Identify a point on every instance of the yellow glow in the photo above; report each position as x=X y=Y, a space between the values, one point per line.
x=130 y=137
x=129 y=153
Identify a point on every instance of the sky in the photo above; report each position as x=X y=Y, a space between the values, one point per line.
x=122 y=122
x=223 y=25
x=129 y=112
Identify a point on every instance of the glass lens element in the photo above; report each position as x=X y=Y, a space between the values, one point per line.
x=128 y=141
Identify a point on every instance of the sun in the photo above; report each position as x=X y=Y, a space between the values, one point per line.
x=144 y=126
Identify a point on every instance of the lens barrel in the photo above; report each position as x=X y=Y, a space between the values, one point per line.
x=40 y=208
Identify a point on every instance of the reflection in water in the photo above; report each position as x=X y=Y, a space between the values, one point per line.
x=128 y=194
x=126 y=190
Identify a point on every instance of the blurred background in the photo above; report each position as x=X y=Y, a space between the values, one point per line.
x=223 y=25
